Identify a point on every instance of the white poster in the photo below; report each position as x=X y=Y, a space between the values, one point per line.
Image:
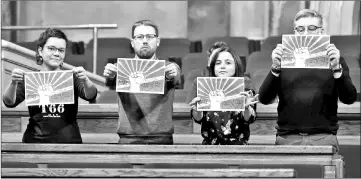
x=220 y=93
x=140 y=76
x=53 y=87
x=305 y=51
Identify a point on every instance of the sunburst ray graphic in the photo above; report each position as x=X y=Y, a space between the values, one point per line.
x=53 y=87
x=305 y=51
x=140 y=76
x=220 y=93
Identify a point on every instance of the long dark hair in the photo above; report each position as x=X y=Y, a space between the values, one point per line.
x=50 y=32
x=239 y=66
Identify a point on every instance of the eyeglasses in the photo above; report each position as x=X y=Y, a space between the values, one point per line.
x=147 y=36
x=54 y=49
x=310 y=28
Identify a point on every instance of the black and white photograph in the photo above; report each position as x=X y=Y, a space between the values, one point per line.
x=180 y=89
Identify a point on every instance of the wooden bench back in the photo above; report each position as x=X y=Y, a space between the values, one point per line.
x=140 y=155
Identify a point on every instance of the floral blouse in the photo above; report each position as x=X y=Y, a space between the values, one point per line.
x=225 y=128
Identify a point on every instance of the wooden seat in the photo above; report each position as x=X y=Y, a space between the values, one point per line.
x=303 y=171
x=193 y=61
x=270 y=43
x=347 y=44
x=18 y=165
x=89 y=165
x=173 y=47
x=257 y=61
x=107 y=48
x=153 y=173
x=185 y=165
x=352 y=61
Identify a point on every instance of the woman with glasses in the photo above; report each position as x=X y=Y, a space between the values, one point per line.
x=51 y=123
x=308 y=98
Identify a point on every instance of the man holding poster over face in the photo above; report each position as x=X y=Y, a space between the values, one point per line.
x=146 y=118
x=308 y=97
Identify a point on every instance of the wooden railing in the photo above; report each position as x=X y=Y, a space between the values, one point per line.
x=15 y=56
x=143 y=156
x=95 y=28
x=98 y=124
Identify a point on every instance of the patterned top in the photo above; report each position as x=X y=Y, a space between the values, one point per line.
x=225 y=128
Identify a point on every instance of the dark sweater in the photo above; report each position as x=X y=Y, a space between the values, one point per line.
x=147 y=118
x=308 y=98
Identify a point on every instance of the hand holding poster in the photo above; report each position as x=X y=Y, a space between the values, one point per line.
x=140 y=76
x=305 y=51
x=53 y=87
x=220 y=94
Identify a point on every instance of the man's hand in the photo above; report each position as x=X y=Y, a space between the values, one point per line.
x=80 y=73
x=277 y=56
x=171 y=71
x=334 y=56
x=110 y=70
x=17 y=75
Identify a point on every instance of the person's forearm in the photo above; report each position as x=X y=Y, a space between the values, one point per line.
x=89 y=89
x=248 y=113
x=197 y=115
x=9 y=96
x=268 y=89
x=346 y=90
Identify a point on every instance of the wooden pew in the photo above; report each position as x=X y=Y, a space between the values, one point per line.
x=149 y=173
x=138 y=155
x=178 y=139
x=103 y=118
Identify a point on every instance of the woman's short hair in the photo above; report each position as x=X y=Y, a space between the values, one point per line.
x=44 y=36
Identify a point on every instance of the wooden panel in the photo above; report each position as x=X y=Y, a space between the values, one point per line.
x=10 y=124
x=98 y=125
x=193 y=139
x=182 y=173
x=267 y=127
x=179 y=109
x=227 y=159
x=169 y=149
x=181 y=126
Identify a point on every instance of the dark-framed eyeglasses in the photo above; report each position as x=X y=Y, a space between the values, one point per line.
x=147 y=36
x=53 y=49
x=310 y=28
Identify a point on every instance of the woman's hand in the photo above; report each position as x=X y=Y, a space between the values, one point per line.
x=194 y=102
x=250 y=98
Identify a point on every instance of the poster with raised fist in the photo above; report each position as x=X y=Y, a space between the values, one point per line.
x=53 y=87
x=305 y=51
x=220 y=94
x=140 y=76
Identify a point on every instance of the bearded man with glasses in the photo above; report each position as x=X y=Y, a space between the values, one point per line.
x=146 y=118
x=308 y=98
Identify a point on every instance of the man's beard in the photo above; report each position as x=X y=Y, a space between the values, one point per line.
x=144 y=54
